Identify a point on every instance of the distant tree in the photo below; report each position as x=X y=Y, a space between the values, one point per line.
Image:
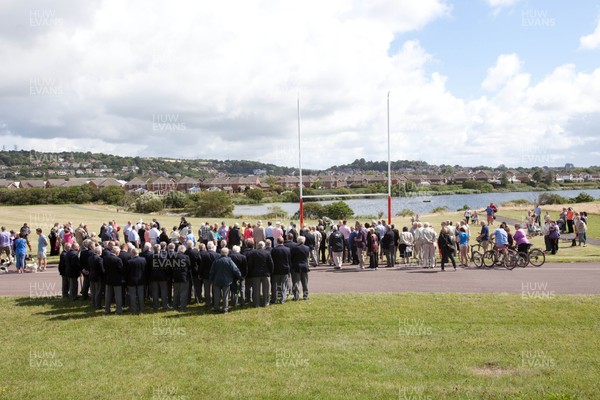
x=176 y=199
x=338 y=210
x=148 y=202
x=213 y=204
x=504 y=182
x=255 y=194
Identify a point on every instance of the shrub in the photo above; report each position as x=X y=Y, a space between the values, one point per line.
x=338 y=210
x=439 y=210
x=212 y=204
x=551 y=198
x=148 y=202
x=583 y=198
x=405 y=213
x=255 y=194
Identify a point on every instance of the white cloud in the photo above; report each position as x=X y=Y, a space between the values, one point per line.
x=230 y=73
x=507 y=66
x=591 y=41
x=498 y=5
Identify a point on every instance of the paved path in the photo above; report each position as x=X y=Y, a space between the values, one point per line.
x=558 y=278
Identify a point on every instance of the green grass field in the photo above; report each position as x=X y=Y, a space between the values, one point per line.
x=372 y=346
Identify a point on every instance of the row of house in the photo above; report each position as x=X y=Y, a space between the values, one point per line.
x=236 y=184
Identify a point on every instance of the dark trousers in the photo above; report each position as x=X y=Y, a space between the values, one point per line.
x=258 y=283
x=297 y=278
x=553 y=246
x=548 y=243
x=221 y=292
x=73 y=286
x=354 y=255
x=180 y=294
x=115 y=292
x=373 y=261
x=159 y=288
x=136 y=298
x=96 y=288
x=570 y=226
x=446 y=257
x=279 y=288
x=323 y=254
x=195 y=290
x=85 y=287
x=207 y=291
x=65 y=286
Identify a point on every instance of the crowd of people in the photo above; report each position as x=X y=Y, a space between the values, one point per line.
x=254 y=263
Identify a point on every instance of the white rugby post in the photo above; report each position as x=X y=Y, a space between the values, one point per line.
x=389 y=191
x=389 y=163
x=300 y=166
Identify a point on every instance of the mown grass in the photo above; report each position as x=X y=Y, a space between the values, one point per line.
x=371 y=346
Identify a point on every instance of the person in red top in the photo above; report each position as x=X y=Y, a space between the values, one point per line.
x=570 y=218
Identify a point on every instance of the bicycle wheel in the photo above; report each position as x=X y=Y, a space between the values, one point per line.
x=523 y=259
x=489 y=258
x=537 y=258
x=510 y=259
x=477 y=259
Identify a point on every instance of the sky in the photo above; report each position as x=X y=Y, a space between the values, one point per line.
x=469 y=82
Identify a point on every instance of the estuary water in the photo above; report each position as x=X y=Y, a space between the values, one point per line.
x=418 y=204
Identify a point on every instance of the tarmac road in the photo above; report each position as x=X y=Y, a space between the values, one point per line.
x=551 y=278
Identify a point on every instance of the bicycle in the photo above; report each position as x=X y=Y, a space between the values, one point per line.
x=476 y=256
x=494 y=257
x=535 y=257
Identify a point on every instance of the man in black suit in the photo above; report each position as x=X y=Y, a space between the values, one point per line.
x=157 y=275
x=62 y=270
x=281 y=270
x=179 y=266
x=260 y=269
x=195 y=280
x=85 y=253
x=125 y=256
x=96 y=275
x=113 y=268
x=206 y=259
x=310 y=242
x=300 y=254
x=238 y=287
x=135 y=276
x=235 y=237
x=73 y=270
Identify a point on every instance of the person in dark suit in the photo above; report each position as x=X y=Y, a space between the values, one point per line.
x=125 y=256
x=84 y=255
x=157 y=275
x=194 y=277
x=96 y=275
x=282 y=260
x=113 y=268
x=207 y=257
x=223 y=273
x=310 y=241
x=336 y=247
x=235 y=237
x=135 y=276
x=260 y=269
x=238 y=287
x=62 y=270
x=179 y=271
x=73 y=270
x=300 y=254
x=147 y=254
x=388 y=244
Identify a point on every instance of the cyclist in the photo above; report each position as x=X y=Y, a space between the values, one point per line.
x=500 y=238
x=484 y=236
x=521 y=239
